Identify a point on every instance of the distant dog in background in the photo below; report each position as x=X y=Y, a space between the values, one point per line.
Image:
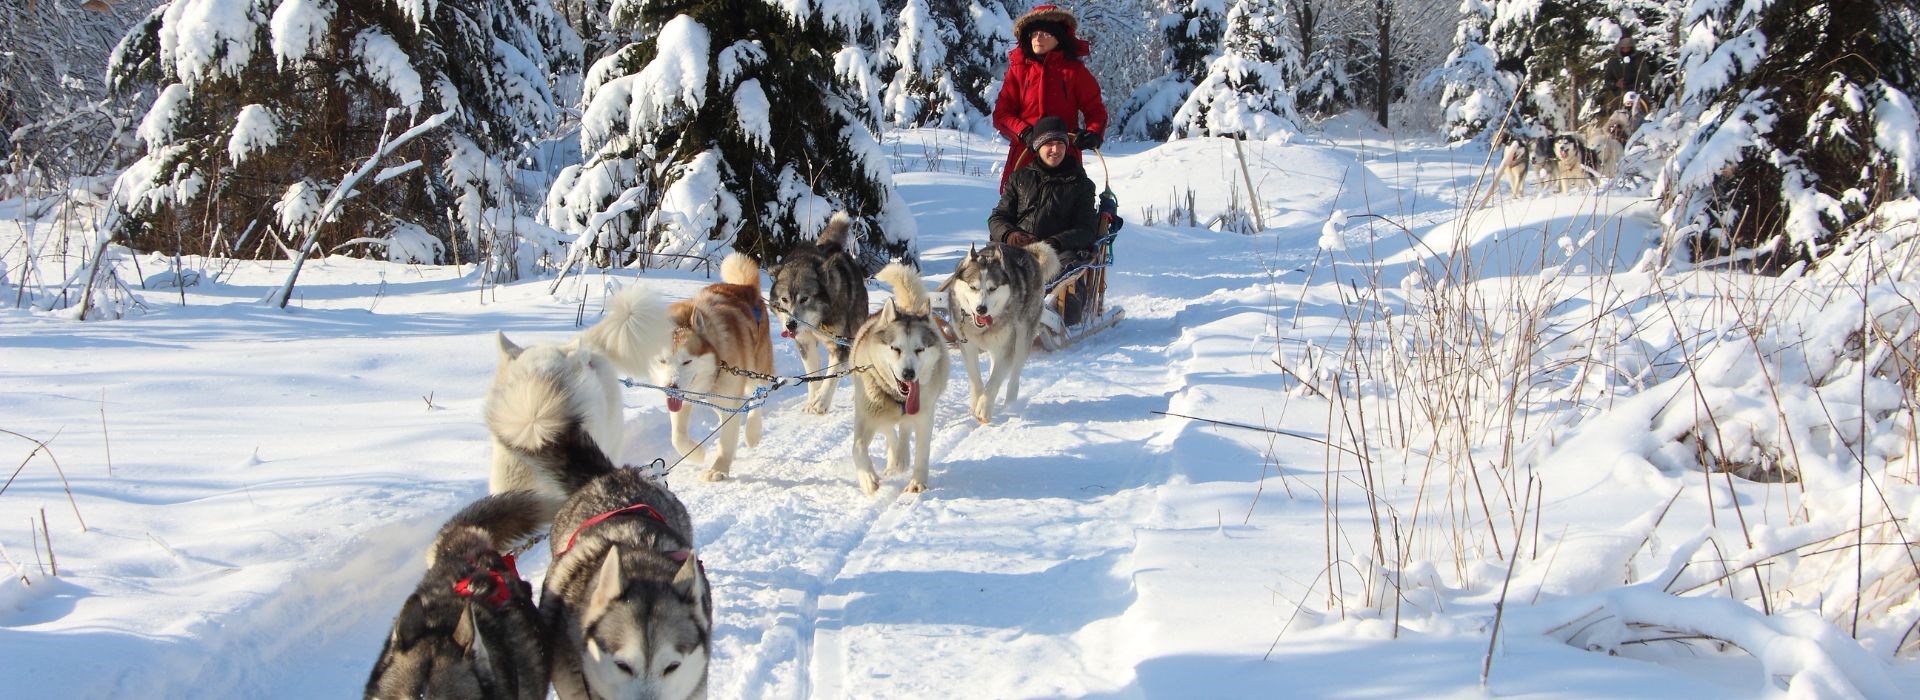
x=1573 y=162
x=994 y=298
x=907 y=368
x=1516 y=158
x=724 y=325
x=1610 y=143
x=626 y=600
x=470 y=630
x=821 y=297
x=550 y=402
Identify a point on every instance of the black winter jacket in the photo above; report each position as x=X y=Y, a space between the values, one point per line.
x=1624 y=73
x=1055 y=205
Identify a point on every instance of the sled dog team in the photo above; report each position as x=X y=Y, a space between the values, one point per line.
x=625 y=610
x=1567 y=159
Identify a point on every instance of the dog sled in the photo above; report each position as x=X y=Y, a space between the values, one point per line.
x=1089 y=281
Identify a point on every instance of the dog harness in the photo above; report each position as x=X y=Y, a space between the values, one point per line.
x=643 y=509
x=503 y=582
x=640 y=508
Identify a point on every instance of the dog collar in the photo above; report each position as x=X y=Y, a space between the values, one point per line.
x=641 y=508
x=504 y=582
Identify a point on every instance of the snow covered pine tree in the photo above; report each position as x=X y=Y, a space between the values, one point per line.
x=1248 y=90
x=1193 y=40
x=738 y=122
x=1797 y=121
x=1545 y=48
x=265 y=104
x=1473 y=96
x=944 y=60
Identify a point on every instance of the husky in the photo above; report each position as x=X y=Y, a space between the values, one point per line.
x=626 y=601
x=1609 y=142
x=820 y=295
x=471 y=629
x=723 y=324
x=1573 y=162
x=905 y=371
x=1516 y=157
x=550 y=401
x=994 y=298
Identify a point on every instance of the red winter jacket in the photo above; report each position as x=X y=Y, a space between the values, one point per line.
x=1056 y=84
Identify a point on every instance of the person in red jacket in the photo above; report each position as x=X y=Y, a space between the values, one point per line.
x=1046 y=78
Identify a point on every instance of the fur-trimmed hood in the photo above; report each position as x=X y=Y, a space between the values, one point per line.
x=1071 y=43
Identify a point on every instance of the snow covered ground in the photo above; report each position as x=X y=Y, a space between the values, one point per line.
x=258 y=485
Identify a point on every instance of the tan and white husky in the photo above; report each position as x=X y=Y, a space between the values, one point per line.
x=906 y=366
x=724 y=325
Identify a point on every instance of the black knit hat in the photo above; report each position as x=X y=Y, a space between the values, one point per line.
x=1049 y=128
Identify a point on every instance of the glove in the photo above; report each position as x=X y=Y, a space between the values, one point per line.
x=1114 y=223
x=1026 y=134
x=1019 y=239
x=1085 y=140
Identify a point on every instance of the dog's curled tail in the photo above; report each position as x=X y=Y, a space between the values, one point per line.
x=908 y=292
x=1049 y=260
x=635 y=329
x=834 y=236
x=527 y=408
x=740 y=268
x=498 y=523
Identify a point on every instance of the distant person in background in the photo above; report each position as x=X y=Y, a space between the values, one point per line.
x=1623 y=103
x=1045 y=78
x=1626 y=72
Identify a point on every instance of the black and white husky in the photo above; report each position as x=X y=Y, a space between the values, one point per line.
x=821 y=297
x=471 y=630
x=550 y=400
x=626 y=601
x=994 y=298
x=905 y=370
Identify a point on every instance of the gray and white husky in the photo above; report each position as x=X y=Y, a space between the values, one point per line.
x=906 y=371
x=994 y=298
x=626 y=601
x=471 y=630
x=548 y=398
x=821 y=297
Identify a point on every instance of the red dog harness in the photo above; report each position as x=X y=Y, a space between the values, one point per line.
x=641 y=508
x=505 y=581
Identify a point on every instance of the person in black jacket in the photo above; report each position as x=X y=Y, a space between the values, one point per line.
x=1626 y=71
x=1051 y=200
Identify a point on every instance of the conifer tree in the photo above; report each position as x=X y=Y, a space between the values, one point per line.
x=1192 y=29
x=1796 y=121
x=1248 y=88
x=264 y=105
x=1326 y=85
x=1547 y=48
x=1122 y=33
x=944 y=60
x=1473 y=95
x=738 y=122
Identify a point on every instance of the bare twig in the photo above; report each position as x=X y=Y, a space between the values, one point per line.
x=47 y=532
x=40 y=447
x=105 y=439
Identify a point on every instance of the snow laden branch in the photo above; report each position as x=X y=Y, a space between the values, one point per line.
x=346 y=189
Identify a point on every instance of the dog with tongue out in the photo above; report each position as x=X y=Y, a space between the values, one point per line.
x=903 y=370
x=994 y=296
